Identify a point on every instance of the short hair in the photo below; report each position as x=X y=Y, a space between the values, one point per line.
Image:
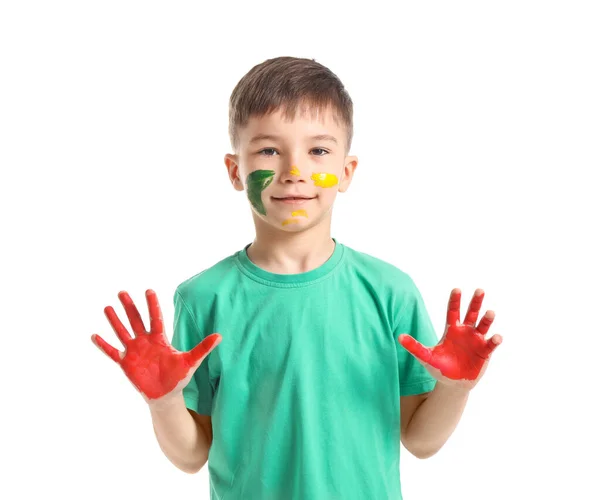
x=289 y=83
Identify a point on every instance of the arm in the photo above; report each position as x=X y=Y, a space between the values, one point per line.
x=183 y=435
x=160 y=373
x=457 y=363
x=428 y=420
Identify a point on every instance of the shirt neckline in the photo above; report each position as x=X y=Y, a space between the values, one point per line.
x=290 y=280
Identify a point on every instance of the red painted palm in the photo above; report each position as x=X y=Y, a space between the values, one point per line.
x=152 y=365
x=463 y=351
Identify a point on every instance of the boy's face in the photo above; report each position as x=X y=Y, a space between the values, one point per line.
x=292 y=170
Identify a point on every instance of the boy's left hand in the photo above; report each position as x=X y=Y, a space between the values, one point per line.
x=462 y=355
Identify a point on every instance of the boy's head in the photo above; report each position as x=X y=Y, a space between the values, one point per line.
x=290 y=126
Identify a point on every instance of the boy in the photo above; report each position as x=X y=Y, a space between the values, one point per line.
x=321 y=367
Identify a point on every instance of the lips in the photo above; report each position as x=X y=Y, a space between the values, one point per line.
x=292 y=200
x=293 y=197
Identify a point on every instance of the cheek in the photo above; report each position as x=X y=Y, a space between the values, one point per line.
x=324 y=179
x=256 y=182
x=327 y=195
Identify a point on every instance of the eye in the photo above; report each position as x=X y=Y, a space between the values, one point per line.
x=324 y=151
x=266 y=149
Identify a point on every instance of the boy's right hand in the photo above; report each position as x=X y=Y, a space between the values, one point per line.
x=153 y=366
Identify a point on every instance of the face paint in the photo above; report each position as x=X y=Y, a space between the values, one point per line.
x=153 y=366
x=463 y=349
x=324 y=180
x=256 y=182
x=296 y=213
x=294 y=171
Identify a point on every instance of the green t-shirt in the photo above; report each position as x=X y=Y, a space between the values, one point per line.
x=304 y=388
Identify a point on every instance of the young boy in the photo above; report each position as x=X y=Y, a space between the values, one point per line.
x=314 y=383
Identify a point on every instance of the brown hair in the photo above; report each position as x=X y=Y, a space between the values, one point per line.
x=288 y=83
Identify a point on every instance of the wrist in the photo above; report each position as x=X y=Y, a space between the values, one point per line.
x=166 y=402
x=452 y=389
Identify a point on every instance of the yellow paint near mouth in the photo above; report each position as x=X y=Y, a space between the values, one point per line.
x=295 y=213
x=324 y=180
x=294 y=171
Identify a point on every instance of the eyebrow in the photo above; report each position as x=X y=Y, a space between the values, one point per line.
x=269 y=137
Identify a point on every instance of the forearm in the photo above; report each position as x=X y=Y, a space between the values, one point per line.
x=435 y=420
x=179 y=435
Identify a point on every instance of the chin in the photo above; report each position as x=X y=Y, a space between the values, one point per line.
x=292 y=228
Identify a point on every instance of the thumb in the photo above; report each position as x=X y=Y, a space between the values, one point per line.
x=415 y=347
x=203 y=349
x=490 y=345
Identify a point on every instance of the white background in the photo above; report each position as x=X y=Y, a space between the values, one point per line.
x=477 y=127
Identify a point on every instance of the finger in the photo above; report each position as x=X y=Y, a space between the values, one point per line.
x=135 y=319
x=417 y=349
x=157 y=325
x=491 y=344
x=486 y=321
x=453 y=315
x=118 y=327
x=474 y=307
x=198 y=353
x=106 y=348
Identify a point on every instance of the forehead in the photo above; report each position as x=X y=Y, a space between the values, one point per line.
x=306 y=120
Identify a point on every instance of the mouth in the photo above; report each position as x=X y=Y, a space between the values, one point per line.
x=293 y=199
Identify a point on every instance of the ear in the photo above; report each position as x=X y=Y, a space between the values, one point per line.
x=349 y=168
x=233 y=170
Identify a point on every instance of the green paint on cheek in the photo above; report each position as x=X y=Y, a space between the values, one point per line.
x=256 y=182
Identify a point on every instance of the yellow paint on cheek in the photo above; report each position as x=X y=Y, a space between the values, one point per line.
x=324 y=180
x=294 y=170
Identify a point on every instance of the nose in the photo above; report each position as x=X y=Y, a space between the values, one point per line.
x=292 y=174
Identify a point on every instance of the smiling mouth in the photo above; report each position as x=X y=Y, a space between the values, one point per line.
x=293 y=199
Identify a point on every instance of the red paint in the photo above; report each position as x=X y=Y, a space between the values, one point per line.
x=463 y=349
x=150 y=362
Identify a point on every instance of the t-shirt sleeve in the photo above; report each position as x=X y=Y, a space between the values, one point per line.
x=198 y=394
x=414 y=320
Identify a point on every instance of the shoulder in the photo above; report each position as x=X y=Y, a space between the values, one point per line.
x=208 y=282
x=387 y=275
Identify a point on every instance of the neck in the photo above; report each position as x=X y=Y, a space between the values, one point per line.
x=291 y=252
